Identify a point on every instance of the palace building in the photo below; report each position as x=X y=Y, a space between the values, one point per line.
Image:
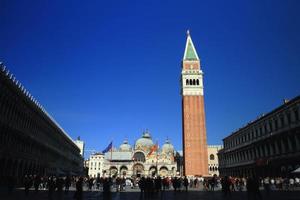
x=213 y=161
x=195 y=160
x=267 y=146
x=212 y=157
x=144 y=158
x=31 y=141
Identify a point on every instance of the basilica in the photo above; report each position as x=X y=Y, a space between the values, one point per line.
x=144 y=158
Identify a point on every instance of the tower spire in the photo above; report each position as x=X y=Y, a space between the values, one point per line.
x=193 y=114
x=190 y=52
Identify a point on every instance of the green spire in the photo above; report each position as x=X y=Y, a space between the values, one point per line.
x=190 y=51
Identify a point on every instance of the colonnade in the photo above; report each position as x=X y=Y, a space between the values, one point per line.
x=268 y=146
x=31 y=141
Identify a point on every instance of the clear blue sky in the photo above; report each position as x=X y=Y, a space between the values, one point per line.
x=110 y=69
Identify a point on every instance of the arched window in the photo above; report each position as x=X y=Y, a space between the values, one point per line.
x=212 y=157
x=197 y=81
x=187 y=82
x=191 y=82
x=194 y=82
x=139 y=156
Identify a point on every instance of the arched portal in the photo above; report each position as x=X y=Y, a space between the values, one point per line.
x=113 y=171
x=173 y=171
x=138 y=170
x=123 y=170
x=163 y=171
x=152 y=171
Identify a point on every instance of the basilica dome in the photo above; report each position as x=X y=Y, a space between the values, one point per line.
x=168 y=147
x=125 y=146
x=145 y=142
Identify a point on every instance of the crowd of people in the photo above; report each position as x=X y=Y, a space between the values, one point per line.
x=153 y=185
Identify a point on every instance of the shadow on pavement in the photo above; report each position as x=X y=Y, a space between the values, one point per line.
x=19 y=194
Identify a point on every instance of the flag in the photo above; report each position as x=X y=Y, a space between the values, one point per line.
x=109 y=147
x=153 y=148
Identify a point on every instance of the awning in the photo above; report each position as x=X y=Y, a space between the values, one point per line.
x=296 y=170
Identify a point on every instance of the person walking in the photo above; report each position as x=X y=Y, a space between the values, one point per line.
x=106 y=188
x=27 y=184
x=186 y=183
x=266 y=183
x=142 y=183
x=158 y=184
x=59 y=185
x=51 y=187
x=67 y=184
x=78 y=193
x=256 y=191
x=36 y=183
x=226 y=186
x=291 y=184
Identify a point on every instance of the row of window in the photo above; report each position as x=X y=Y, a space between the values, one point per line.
x=213 y=169
x=264 y=128
x=19 y=168
x=192 y=81
x=287 y=144
x=95 y=168
x=96 y=157
x=19 y=145
x=99 y=163
x=16 y=112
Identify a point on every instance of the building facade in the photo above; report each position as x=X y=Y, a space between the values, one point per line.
x=212 y=156
x=213 y=161
x=96 y=165
x=80 y=144
x=143 y=159
x=268 y=146
x=193 y=114
x=31 y=141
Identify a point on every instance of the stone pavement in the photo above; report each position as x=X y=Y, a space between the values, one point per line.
x=136 y=195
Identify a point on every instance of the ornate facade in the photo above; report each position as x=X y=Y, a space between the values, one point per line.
x=31 y=142
x=193 y=114
x=213 y=162
x=268 y=146
x=142 y=159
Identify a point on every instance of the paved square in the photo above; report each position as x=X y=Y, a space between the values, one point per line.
x=133 y=194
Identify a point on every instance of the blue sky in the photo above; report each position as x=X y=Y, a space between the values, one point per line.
x=107 y=70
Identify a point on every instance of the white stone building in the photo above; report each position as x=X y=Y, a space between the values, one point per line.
x=213 y=162
x=80 y=145
x=96 y=165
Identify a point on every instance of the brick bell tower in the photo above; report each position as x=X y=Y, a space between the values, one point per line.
x=193 y=114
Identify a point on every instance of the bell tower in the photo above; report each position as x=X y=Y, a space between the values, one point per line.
x=193 y=114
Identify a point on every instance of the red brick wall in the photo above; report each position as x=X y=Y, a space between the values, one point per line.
x=194 y=136
x=195 y=65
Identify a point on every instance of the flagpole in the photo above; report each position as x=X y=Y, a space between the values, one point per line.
x=111 y=151
x=156 y=157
